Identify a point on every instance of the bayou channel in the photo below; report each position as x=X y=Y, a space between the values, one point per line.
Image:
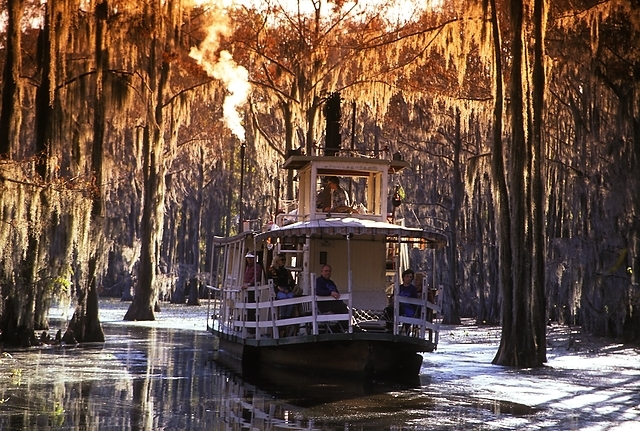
x=164 y=375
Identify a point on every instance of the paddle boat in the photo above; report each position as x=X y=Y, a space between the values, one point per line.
x=367 y=250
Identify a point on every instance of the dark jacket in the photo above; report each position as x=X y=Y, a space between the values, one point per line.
x=324 y=286
x=281 y=277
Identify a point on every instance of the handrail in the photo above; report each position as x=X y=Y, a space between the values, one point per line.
x=233 y=307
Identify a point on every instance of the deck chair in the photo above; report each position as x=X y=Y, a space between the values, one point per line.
x=331 y=326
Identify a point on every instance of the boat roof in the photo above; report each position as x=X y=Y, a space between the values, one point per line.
x=220 y=240
x=299 y=162
x=355 y=226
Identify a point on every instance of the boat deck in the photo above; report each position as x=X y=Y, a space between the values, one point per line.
x=421 y=345
x=256 y=323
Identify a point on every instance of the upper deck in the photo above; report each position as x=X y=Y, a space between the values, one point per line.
x=365 y=180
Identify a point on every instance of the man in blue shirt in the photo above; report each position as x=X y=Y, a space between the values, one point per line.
x=408 y=289
x=326 y=287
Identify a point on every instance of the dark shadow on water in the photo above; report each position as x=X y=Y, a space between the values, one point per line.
x=308 y=390
x=505 y=407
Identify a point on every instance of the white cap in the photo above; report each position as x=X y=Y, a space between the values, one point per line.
x=250 y=254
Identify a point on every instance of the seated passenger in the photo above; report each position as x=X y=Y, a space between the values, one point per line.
x=406 y=289
x=283 y=283
x=326 y=287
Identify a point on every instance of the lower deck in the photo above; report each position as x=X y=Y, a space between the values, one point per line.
x=253 y=316
x=418 y=344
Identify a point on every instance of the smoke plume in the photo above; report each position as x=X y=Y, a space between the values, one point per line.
x=222 y=66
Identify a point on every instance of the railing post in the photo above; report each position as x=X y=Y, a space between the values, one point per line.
x=273 y=310
x=396 y=309
x=349 y=280
x=314 y=306
x=423 y=312
x=243 y=321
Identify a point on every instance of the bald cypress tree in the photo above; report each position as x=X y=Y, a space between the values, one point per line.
x=11 y=109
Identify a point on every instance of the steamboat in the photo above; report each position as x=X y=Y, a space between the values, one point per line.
x=367 y=251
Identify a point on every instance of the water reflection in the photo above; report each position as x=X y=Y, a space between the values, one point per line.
x=141 y=378
x=152 y=378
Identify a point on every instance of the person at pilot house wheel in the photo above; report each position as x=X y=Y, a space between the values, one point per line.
x=339 y=198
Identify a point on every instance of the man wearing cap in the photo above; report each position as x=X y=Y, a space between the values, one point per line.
x=252 y=272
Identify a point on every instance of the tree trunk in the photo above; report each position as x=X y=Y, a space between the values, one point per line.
x=231 y=186
x=194 y=292
x=288 y=134
x=85 y=322
x=632 y=321
x=44 y=111
x=498 y=180
x=11 y=109
x=633 y=332
x=521 y=317
x=312 y=117
x=181 y=232
x=517 y=354
x=17 y=322
x=538 y=282
x=41 y=309
x=452 y=313
x=146 y=290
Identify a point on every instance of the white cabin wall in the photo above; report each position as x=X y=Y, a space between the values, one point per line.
x=368 y=261
x=368 y=264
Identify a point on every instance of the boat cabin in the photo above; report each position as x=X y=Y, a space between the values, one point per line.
x=365 y=181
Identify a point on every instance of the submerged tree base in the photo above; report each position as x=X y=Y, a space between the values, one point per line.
x=139 y=310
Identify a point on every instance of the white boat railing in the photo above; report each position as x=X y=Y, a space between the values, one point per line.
x=254 y=313
x=429 y=320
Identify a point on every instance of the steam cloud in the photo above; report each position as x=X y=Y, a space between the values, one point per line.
x=223 y=67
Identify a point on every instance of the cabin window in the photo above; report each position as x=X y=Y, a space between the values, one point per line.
x=361 y=191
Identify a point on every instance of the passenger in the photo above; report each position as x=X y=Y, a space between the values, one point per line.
x=283 y=283
x=326 y=287
x=419 y=283
x=252 y=275
x=252 y=271
x=339 y=199
x=408 y=289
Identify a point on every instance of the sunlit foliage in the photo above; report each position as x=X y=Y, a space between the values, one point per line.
x=125 y=103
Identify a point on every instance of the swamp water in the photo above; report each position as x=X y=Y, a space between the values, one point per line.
x=161 y=376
